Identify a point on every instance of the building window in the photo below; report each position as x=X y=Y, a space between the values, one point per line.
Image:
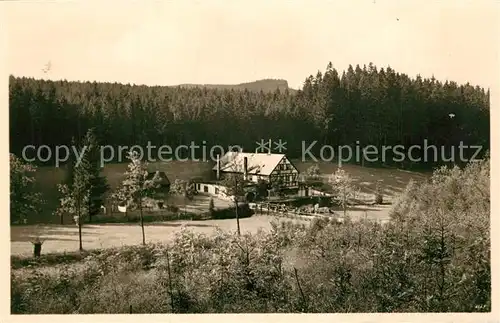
x=205 y=189
x=216 y=190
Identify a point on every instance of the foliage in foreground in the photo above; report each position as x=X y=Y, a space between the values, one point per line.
x=433 y=257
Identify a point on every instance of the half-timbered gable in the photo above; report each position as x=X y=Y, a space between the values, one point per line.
x=259 y=166
x=285 y=172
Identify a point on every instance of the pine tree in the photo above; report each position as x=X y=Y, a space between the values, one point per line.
x=366 y=104
x=23 y=199
x=98 y=183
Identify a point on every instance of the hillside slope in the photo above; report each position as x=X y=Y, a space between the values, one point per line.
x=265 y=85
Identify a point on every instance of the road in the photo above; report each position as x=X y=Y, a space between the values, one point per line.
x=64 y=238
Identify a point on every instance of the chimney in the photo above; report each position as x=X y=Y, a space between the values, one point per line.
x=245 y=168
x=269 y=150
x=218 y=167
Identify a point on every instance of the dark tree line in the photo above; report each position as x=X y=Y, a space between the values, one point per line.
x=362 y=104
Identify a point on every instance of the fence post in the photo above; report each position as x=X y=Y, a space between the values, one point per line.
x=37 y=248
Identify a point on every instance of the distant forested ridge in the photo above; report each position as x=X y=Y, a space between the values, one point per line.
x=365 y=104
x=267 y=85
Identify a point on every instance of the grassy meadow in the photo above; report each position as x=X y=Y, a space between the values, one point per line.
x=47 y=179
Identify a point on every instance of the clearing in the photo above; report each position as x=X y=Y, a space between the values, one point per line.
x=393 y=181
x=64 y=238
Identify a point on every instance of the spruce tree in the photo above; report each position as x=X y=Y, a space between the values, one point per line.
x=98 y=183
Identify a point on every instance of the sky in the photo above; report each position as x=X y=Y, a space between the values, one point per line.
x=228 y=42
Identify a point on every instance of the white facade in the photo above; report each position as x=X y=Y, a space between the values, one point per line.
x=213 y=190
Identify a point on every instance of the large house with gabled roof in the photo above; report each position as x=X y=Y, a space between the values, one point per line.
x=259 y=166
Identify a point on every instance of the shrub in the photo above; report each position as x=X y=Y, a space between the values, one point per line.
x=244 y=211
x=211 y=207
x=172 y=208
x=48 y=259
x=313 y=172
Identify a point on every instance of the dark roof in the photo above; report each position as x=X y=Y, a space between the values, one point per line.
x=163 y=176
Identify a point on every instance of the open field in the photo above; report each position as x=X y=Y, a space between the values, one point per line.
x=49 y=177
x=65 y=238
x=393 y=181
